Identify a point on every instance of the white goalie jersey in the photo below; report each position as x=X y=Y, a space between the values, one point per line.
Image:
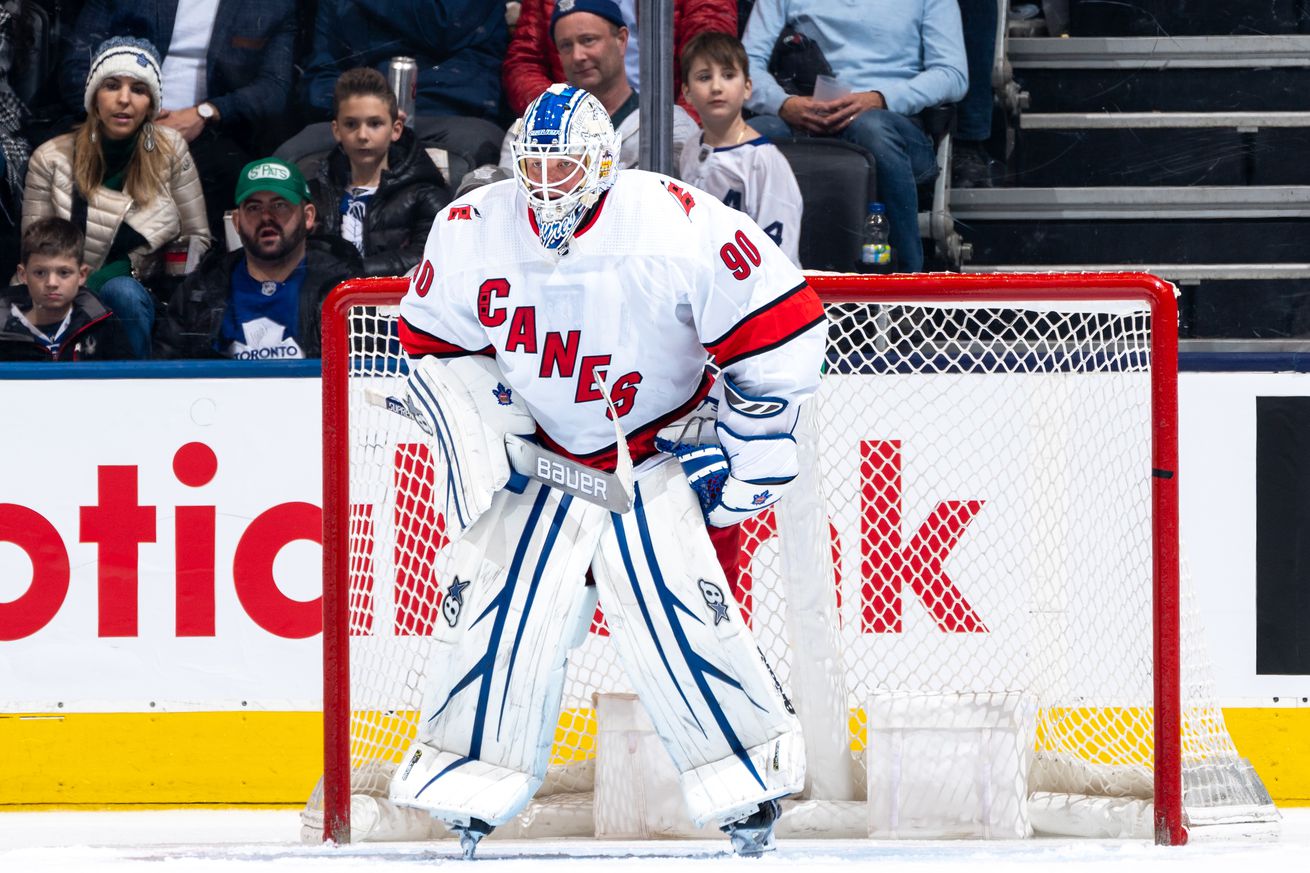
x=754 y=177
x=660 y=279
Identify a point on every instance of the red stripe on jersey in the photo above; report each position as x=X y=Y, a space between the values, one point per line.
x=770 y=326
x=418 y=342
x=641 y=442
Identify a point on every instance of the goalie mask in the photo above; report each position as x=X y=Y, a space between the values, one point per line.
x=565 y=156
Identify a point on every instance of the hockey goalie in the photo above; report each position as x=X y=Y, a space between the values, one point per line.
x=567 y=328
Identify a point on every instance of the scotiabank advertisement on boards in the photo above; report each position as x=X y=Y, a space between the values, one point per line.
x=159 y=545
x=159 y=541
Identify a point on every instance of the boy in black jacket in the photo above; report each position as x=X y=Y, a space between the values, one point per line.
x=378 y=189
x=51 y=316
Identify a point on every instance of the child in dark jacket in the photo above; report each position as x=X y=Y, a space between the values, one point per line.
x=378 y=188
x=51 y=316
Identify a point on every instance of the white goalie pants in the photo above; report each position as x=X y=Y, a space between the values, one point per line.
x=515 y=601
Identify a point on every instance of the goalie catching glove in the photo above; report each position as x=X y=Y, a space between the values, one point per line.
x=737 y=479
x=746 y=472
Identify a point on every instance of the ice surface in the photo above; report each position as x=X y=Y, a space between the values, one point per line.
x=247 y=841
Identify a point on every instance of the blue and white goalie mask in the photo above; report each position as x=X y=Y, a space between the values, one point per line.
x=565 y=156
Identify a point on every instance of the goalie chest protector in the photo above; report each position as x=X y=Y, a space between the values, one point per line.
x=656 y=280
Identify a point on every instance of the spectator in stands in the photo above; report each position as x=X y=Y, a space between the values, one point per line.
x=531 y=66
x=14 y=148
x=590 y=40
x=50 y=316
x=899 y=57
x=728 y=158
x=971 y=165
x=226 y=74
x=128 y=184
x=378 y=188
x=261 y=302
x=458 y=46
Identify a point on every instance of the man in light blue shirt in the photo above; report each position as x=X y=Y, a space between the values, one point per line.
x=898 y=57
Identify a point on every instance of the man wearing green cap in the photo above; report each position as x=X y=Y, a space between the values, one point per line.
x=260 y=303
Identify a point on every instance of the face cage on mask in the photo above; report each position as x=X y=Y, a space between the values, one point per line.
x=557 y=197
x=558 y=215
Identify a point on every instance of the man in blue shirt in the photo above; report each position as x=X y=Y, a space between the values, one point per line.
x=897 y=57
x=260 y=303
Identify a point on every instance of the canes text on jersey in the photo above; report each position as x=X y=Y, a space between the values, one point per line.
x=558 y=351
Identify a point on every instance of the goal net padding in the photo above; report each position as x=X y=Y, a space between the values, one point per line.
x=972 y=596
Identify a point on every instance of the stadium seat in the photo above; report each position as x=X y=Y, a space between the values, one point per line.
x=837 y=181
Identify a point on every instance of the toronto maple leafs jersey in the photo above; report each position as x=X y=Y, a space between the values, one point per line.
x=659 y=280
x=753 y=177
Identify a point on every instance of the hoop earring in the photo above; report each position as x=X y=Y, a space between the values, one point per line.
x=149 y=142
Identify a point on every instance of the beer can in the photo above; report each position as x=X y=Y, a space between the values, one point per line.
x=402 y=76
x=175 y=255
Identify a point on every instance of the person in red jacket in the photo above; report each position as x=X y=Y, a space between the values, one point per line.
x=532 y=64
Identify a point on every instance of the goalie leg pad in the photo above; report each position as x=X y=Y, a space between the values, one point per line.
x=680 y=636
x=513 y=596
x=457 y=789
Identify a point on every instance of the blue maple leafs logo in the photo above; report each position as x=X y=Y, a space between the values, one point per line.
x=759 y=499
x=504 y=396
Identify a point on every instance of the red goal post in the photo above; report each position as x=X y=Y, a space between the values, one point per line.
x=844 y=295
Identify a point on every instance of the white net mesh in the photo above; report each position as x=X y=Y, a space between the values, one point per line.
x=986 y=474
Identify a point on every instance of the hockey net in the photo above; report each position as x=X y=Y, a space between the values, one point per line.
x=986 y=522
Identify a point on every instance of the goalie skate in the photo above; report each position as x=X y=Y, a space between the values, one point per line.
x=752 y=836
x=470 y=835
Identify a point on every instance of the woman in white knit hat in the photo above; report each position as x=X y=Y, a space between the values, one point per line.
x=130 y=185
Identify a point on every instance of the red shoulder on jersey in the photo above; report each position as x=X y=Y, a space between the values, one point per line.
x=419 y=342
x=680 y=194
x=769 y=326
x=463 y=213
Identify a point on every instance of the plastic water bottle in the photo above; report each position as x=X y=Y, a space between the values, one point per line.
x=876 y=249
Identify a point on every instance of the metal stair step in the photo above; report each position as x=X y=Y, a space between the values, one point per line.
x=1159 y=53
x=1160 y=203
x=1149 y=74
x=1241 y=121
x=1180 y=273
x=1184 y=17
x=1161 y=150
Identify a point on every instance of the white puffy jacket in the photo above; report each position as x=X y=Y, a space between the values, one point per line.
x=178 y=212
